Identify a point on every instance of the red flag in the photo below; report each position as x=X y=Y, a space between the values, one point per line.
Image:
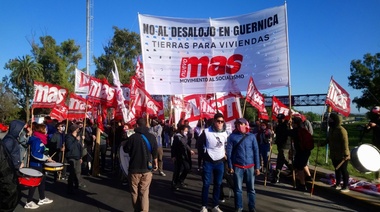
x=59 y=112
x=338 y=98
x=77 y=107
x=48 y=95
x=264 y=115
x=101 y=92
x=278 y=107
x=254 y=97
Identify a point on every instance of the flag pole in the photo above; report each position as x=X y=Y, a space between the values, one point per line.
x=245 y=103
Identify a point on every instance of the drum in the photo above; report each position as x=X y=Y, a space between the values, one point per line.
x=30 y=177
x=366 y=158
x=53 y=167
x=124 y=160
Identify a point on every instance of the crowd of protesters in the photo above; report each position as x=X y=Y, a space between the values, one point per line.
x=236 y=156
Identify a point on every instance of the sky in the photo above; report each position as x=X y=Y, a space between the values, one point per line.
x=324 y=35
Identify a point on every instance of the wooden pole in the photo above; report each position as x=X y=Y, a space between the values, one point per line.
x=315 y=173
x=245 y=103
x=95 y=167
x=267 y=168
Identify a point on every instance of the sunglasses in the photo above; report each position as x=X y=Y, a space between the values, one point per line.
x=220 y=121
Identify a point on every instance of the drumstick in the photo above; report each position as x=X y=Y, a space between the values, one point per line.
x=53 y=155
x=340 y=164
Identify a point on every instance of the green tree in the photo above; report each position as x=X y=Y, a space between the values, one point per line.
x=124 y=48
x=24 y=71
x=365 y=76
x=58 y=61
x=8 y=105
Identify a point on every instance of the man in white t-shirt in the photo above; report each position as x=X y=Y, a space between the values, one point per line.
x=213 y=139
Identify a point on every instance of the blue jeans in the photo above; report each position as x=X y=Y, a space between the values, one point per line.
x=249 y=175
x=264 y=152
x=210 y=169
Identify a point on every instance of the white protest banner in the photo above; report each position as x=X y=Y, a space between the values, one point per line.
x=48 y=95
x=188 y=56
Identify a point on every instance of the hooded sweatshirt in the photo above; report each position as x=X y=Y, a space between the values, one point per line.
x=138 y=151
x=338 y=139
x=11 y=143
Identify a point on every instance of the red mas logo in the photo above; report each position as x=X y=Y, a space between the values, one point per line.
x=218 y=65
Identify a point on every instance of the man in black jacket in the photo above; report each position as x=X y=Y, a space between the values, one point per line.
x=142 y=149
x=74 y=150
x=282 y=146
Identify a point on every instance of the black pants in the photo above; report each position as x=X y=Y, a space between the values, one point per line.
x=181 y=169
x=281 y=160
x=41 y=187
x=74 y=170
x=103 y=150
x=341 y=172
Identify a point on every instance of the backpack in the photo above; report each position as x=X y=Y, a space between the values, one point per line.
x=8 y=182
x=306 y=139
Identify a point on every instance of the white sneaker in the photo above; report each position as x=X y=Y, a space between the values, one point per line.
x=45 y=201
x=31 y=205
x=204 y=209
x=216 y=209
x=162 y=174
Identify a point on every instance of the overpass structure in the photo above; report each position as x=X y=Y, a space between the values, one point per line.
x=300 y=100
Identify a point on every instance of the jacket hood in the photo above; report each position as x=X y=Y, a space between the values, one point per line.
x=15 y=128
x=336 y=118
x=141 y=130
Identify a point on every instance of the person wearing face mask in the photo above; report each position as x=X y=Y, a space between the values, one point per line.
x=243 y=162
x=264 y=139
x=56 y=146
x=339 y=150
x=181 y=155
x=73 y=149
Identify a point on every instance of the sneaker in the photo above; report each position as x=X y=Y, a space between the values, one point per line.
x=162 y=174
x=45 y=201
x=239 y=210
x=275 y=180
x=204 y=209
x=216 y=209
x=183 y=185
x=82 y=185
x=345 y=190
x=31 y=205
x=337 y=187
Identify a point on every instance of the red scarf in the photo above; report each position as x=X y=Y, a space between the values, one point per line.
x=41 y=136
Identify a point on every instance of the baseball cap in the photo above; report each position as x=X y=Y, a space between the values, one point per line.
x=241 y=120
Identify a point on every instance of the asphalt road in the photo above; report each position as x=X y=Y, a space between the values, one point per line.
x=107 y=193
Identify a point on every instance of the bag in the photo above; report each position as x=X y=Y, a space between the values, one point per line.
x=150 y=166
x=8 y=182
x=306 y=139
